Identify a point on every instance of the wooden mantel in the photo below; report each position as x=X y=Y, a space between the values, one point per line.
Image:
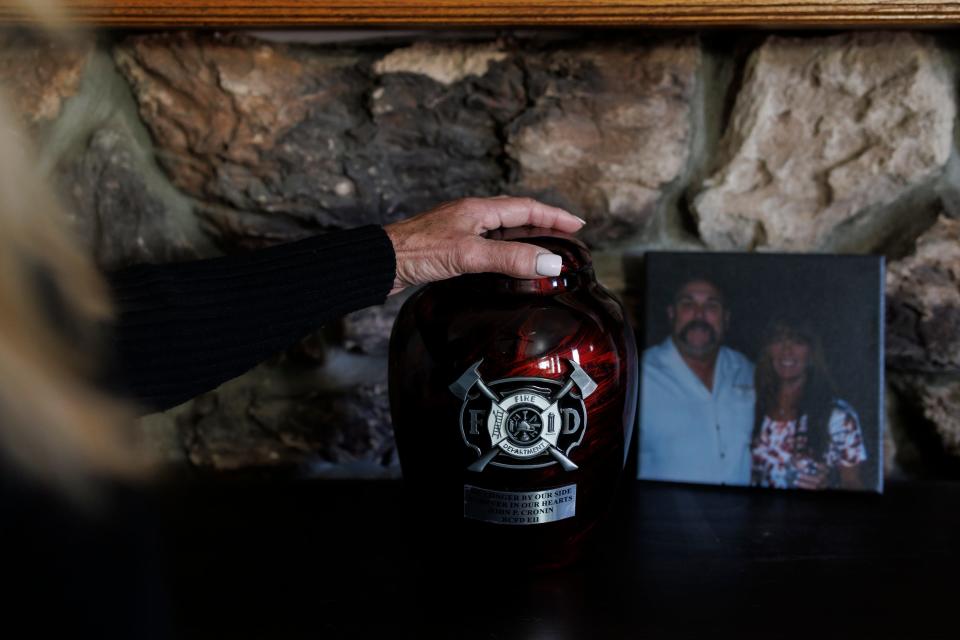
x=502 y=13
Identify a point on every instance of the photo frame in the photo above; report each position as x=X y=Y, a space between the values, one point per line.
x=763 y=370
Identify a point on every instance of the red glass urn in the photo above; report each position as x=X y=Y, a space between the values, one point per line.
x=513 y=403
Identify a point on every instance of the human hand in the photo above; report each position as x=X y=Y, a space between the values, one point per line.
x=811 y=475
x=445 y=242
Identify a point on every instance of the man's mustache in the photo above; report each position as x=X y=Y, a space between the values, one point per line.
x=698 y=324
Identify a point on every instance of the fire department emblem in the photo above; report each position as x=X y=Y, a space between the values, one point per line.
x=523 y=423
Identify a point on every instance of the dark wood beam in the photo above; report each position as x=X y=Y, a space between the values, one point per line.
x=500 y=13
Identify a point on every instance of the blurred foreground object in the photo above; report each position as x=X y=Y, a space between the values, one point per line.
x=55 y=425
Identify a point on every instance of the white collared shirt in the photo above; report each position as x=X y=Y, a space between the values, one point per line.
x=689 y=433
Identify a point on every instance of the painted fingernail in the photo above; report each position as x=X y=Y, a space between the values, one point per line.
x=582 y=221
x=548 y=264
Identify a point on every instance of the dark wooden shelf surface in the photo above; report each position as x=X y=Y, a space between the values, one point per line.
x=340 y=559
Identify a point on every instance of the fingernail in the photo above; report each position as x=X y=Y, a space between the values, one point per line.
x=548 y=264
x=582 y=221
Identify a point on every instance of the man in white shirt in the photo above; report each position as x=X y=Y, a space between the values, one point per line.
x=697 y=396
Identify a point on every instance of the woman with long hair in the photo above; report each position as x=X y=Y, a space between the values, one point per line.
x=804 y=435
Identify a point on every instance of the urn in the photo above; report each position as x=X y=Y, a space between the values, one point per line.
x=513 y=403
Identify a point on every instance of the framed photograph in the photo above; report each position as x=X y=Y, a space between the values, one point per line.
x=763 y=370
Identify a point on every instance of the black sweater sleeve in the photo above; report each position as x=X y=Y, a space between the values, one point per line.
x=185 y=328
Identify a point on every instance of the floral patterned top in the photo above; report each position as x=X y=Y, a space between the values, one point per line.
x=775 y=458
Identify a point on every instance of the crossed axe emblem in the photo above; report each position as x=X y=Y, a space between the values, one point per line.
x=501 y=407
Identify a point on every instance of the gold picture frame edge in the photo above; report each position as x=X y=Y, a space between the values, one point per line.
x=501 y=13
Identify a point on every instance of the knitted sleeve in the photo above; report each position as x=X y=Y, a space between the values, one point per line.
x=182 y=329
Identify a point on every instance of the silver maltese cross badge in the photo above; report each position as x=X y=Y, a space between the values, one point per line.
x=523 y=423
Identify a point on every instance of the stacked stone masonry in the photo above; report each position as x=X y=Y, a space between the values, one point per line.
x=222 y=142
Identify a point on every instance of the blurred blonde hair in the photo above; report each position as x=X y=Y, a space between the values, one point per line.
x=50 y=14
x=55 y=426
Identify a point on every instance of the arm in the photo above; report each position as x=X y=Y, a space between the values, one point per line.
x=183 y=329
x=849 y=451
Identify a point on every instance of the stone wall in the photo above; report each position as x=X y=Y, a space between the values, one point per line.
x=171 y=146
